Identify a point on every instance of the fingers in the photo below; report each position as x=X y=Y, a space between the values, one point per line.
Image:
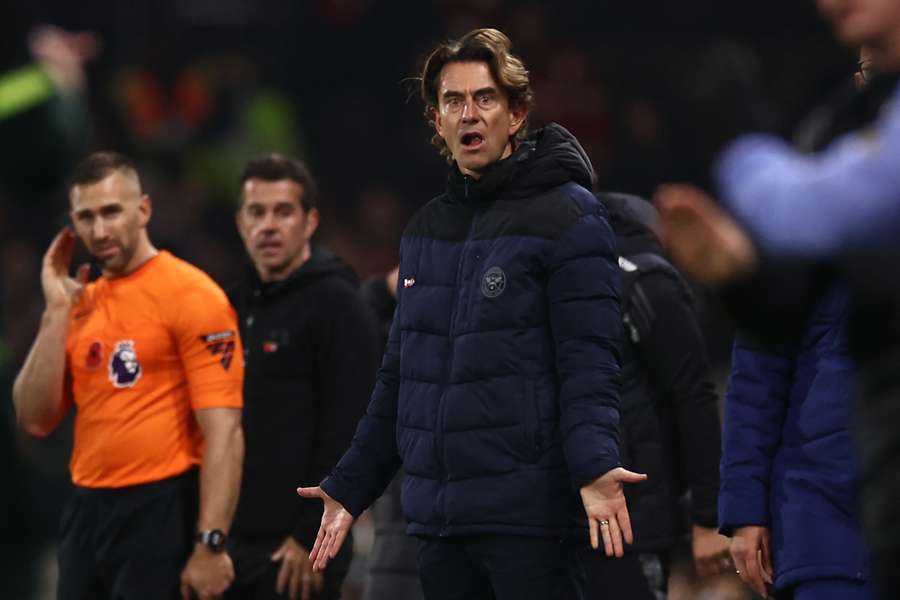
x=625 y=524
x=284 y=574
x=83 y=273
x=318 y=582
x=317 y=545
x=322 y=557
x=295 y=583
x=631 y=477
x=308 y=585
x=607 y=537
x=338 y=541
x=311 y=492
x=766 y=561
x=592 y=527
x=616 y=534
x=752 y=576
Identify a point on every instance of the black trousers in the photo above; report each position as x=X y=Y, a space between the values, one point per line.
x=128 y=543
x=635 y=576
x=499 y=567
x=255 y=575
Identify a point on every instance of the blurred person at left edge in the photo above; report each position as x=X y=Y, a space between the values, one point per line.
x=311 y=347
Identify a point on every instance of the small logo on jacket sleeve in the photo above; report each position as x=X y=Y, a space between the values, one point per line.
x=408 y=282
x=124 y=367
x=493 y=283
x=221 y=342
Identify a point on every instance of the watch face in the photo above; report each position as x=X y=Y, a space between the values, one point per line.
x=216 y=540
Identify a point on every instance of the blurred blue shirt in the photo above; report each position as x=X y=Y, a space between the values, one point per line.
x=844 y=199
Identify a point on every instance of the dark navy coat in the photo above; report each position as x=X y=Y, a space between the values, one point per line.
x=498 y=392
x=787 y=455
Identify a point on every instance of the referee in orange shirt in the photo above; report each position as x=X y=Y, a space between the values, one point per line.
x=150 y=356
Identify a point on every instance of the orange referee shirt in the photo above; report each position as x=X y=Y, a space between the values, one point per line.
x=143 y=352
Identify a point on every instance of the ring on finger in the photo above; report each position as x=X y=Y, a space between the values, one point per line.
x=604 y=522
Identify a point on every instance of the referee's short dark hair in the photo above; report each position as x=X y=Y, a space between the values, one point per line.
x=275 y=167
x=100 y=165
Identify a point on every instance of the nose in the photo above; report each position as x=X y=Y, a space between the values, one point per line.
x=470 y=110
x=267 y=221
x=98 y=229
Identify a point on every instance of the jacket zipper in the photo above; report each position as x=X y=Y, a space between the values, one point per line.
x=442 y=404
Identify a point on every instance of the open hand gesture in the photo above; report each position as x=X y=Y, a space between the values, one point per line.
x=60 y=290
x=336 y=523
x=604 y=503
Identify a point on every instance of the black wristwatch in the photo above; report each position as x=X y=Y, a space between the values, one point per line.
x=214 y=539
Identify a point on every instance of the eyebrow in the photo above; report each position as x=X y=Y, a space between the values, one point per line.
x=478 y=92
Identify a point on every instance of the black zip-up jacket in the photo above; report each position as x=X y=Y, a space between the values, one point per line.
x=311 y=348
x=670 y=416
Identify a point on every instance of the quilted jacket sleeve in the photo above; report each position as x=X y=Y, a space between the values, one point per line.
x=585 y=315
x=755 y=407
x=368 y=466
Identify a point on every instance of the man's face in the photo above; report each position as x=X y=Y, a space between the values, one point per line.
x=274 y=227
x=859 y=22
x=474 y=117
x=109 y=216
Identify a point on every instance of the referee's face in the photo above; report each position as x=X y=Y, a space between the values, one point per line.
x=110 y=217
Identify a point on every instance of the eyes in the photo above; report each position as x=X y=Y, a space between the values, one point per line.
x=106 y=213
x=483 y=100
x=282 y=210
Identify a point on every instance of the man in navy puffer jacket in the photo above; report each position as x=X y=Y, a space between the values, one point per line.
x=498 y=393
x=789 y=487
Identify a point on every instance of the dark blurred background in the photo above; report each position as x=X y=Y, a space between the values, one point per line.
x=193 y=88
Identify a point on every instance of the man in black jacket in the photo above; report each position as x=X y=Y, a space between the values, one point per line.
x=670 y=419
x=311 y=349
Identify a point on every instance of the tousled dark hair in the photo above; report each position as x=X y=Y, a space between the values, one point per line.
x=489 y=46
x=275 y=167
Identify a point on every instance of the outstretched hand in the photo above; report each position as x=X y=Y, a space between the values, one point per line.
x=702 y=239
x=752 y=558
x=336 y=523
x=60 y=290
x=604 y=503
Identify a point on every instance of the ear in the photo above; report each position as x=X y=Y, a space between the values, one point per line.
x=312 y=222
x=145 y=209
x=436 y=120
x=517 y=117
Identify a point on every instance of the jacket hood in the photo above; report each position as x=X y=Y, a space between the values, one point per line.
x=633 y=220
x=549 y=157
x=322 y=263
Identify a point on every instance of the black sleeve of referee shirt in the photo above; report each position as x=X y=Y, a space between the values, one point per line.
x=674 y=355
x=346 y=362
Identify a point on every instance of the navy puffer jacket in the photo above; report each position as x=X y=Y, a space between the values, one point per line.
x=788 y=459
x=498 y=392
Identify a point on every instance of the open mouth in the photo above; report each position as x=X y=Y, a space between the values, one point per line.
x=472 y=140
